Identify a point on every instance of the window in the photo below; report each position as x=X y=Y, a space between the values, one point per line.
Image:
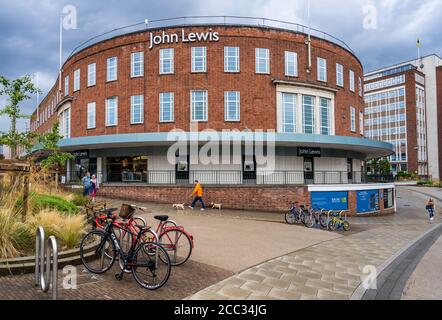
x=308 y=124
x=231 y=106
x=77 y=80
x=166 y=106
x=353 y=119
x=91 y=115
x=231 y=59
x=137 y=64
x=325 y=116
x=339 y=75
x=66 y=85
x=91 y=74
x=289 y=112
x=166 y=61
x=352 y=80
x=199 y=105
x=322 y=69
x=65 y=123
x=136 y=109
x=198 y=59
x=262 y=60
x=112 y=69
x=291 y=64
x=360 y=86
x=361 y=122
x=111 y=111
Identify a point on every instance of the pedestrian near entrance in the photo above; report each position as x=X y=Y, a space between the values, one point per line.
x=198 y=193
x=94 y=187
x=86 y=181
x=430 y=208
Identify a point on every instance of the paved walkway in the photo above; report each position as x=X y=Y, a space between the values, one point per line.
x=332 y=269
x=426 y=280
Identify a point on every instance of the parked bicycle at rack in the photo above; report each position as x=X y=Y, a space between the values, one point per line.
x=148 y=262
x=316 y=217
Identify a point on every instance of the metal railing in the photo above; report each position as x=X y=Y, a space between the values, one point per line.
x=210 y=20
x=46 y=263
x=235 y=177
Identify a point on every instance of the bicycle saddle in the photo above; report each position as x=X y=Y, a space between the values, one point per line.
x=162 y=217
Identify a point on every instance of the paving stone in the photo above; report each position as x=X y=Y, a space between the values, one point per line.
x=250 y=276
x=284 y=294
x=310 y=275
x=303 y=290
x=257 y=288
x=260 y=297
x=277 y=283
x=330 y=295
x=234 y=292
x=233 y=281
x=314 y=283
x=270 y=274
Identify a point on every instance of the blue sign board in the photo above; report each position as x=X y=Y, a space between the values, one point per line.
x=367 y=200
x=330 y=200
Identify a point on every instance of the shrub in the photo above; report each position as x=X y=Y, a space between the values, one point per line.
x=71 y=231
x=80 y=200
x=38 y=202
x=14 y=236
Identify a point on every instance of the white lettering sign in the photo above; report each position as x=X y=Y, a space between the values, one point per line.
x=165 y=38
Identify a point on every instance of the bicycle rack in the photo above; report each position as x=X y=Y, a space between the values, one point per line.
x=43 y=265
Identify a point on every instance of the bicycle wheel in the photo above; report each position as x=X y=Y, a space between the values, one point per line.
x=151 y=271
x=309 y=221
x=332 y=225
x=140 y=221
x=102 y=257
x=126 y=241
x=323 y=220
x=346 y=225
x=303 y=215
x=290 y=217
x=177 y=244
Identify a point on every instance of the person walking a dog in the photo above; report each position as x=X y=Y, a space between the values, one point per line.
x=198 y=194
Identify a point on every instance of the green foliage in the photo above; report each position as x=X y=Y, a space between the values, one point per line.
x=17 y=90
x=80 y=200
x=380 y=166
x=38 y=202
x=50 y=141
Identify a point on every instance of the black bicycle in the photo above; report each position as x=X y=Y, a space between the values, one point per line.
x=148 y=262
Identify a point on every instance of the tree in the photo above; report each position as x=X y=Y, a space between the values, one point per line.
x=56 y=159
x=17 y=90
x=380 y=166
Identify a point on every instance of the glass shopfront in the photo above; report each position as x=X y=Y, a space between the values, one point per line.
x=126 y=169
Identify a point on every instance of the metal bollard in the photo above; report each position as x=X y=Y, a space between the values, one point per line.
x=43 y=259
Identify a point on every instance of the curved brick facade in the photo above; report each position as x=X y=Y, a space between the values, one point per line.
x=258 y=95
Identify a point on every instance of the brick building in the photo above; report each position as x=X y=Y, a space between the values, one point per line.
x=403 y=106
x=139 y=110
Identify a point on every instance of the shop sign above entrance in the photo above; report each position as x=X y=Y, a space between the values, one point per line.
x=81 y=154
x=309 y=152
x=165 y=38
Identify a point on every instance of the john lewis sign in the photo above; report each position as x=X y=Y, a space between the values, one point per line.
x=165 y=38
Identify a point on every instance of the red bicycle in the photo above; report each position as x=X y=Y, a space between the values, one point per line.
x=177 y=242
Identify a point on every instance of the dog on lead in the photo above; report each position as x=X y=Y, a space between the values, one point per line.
x=216 y=205
x=178 y=206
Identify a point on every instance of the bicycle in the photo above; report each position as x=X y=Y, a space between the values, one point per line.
x=338 y=222
x=148 y=262
x=173 y=238
x=293 y=216
x=316 y=216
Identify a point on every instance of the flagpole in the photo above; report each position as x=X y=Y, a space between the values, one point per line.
x=60 y=52
x=309 y=38
x=38 y=98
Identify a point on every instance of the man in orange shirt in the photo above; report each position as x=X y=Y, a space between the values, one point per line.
x=198 y=193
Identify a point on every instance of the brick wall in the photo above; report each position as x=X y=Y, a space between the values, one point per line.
x=258 y=94
x=439 y=114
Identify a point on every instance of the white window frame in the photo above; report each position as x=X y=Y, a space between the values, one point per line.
x=162 y=59
x=193 y=105
x=291 y=56
x=203 y=58
x=360 y=86
x=351 y=79
x=77 y=80
x=227 y=58
x=339 y=75
x=227 y=101
x=361 y=122
x=108 y=124
x=321 y=69
x=313 y=125
x=132 y=109
x=321 y=127
x=137 y=60
x=66 y=85
x=112 y=65
x=170 y=103
x=295 y=116
x=92 y=74
x=91 y=115
x=353 y=119
x=259 y=59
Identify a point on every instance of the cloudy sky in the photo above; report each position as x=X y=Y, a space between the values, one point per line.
x=29 y=29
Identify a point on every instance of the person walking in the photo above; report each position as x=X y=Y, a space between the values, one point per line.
x=86 y=181
x=198 y=193
x=430 y=208
x=94 y=187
